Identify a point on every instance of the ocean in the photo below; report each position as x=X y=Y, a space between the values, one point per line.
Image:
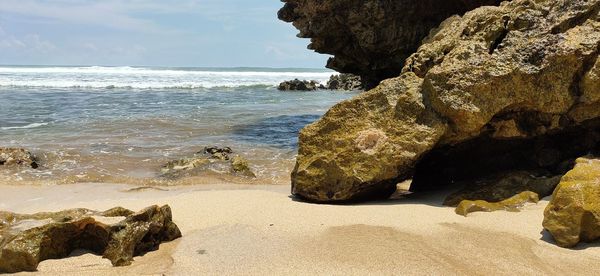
x=121 y=124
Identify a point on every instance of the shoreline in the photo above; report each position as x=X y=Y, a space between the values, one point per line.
x=258 y=229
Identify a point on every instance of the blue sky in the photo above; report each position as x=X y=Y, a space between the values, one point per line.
x=220 y=33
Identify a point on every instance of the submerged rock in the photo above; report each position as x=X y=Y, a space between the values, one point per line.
x=504 y=186
x=17 y=157
x=512 y=204
x=298 y=85
x=26 y=240
x=573 y=215
x=370 y=38
x=516 y=72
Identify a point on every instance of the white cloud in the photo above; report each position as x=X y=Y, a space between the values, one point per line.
x=113 y=14
x=125 y=14
x=35 y=43
x=11 y=43
x=29 y=43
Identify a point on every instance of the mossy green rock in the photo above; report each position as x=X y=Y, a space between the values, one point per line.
x=573 y=214
x=239 y=165
x=26 y=240
x=517 y=71
x=513 y=204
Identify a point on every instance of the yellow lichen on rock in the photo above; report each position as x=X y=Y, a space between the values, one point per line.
x=573 y=214
x=513 y=204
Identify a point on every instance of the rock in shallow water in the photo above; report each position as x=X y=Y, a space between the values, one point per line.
x=17 y=157
x=26 y=240
x=299 y=85
x=344 y=82
x=573 y=214
x=210 y=156
x=518 y=71
x=239 y=165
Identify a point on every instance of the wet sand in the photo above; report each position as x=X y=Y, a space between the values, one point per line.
x=250 y=229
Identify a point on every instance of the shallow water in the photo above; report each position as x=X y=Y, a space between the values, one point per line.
x=120 y=124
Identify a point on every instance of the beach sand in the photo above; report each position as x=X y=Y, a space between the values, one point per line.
x=245 y=229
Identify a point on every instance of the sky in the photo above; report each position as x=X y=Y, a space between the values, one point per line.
x=180 y=33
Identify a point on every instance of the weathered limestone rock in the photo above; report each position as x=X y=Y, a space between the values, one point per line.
x=370 y=38
x=519 y=71
x=513 y=204
x=573 y=214
x=26 y=240
x=505 y=186
x=17 y=157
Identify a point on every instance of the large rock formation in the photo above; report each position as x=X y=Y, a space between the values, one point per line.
x=26 y=240
x=573 y=214
x=502 y=77
x=370 y=38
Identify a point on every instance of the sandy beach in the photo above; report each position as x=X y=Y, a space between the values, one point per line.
x=257 y=230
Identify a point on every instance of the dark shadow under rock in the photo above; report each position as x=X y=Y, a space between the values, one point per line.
x=495 y=169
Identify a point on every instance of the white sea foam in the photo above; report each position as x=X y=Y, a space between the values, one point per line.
x=33 y=125
x=147 y=78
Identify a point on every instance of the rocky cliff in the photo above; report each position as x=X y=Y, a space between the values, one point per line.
x=501 y=88
x=370 y=38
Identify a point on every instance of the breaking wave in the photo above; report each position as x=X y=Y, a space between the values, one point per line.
x=97 y=77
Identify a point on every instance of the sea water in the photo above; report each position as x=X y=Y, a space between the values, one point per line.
x=121 y=124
